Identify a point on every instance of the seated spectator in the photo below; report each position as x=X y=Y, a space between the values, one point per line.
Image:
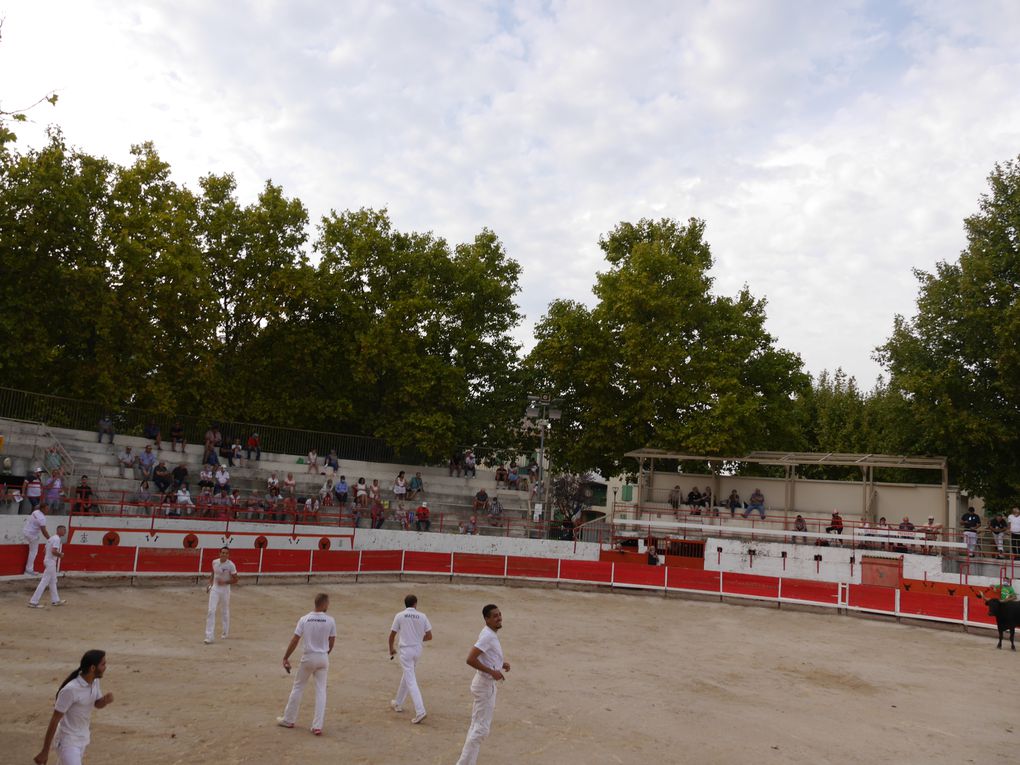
x=213 y=438
x=674 y=497
x=375 y=491
x=694 y=500
x=480 y=501
x=235 y=453
x=361 y=494
x=274 y=504
x=406 y=518
x=331 y=463
x=184 y=503
x=883 y=532
x=836 y=524
x=212 y=456
x=415 y=487
x=289 y=486
x=222 y=478
x=254 y=444
x=146 y=463
x=206 y=478
x=495 y=511
x=355 y=515
x=400 y=488
x=143 y=496
x=255 y=505
x=340 y=490
x=567 y=530
x=471 y=527
x=378 y=515
x=513 y=478
x=311 y=509
x=161 y=477
x=501 y=476
x=532 y=471
x=422 y=521
x=179 y=475
x=456 y=463
x=733 y=503
x=905 y=525
x=177 y=436
x=105 y=426
x=756 y=502
x=470 y=464
x=152 y=433
x=127 y=461
x=54 y=492
x=326 y=490
x=313 y=461
x=84 y=496
x=800 y=525
x=707 y=500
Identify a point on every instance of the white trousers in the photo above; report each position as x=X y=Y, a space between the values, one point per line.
x=49 y=579
x=314 y=666
x=69 y=754
x=483 y=689
x=408 y=656
x=218 y=596
x=970 y=537
x=33 y=550
x=998 y=536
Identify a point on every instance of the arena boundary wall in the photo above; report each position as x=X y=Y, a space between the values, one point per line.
x=84 y=562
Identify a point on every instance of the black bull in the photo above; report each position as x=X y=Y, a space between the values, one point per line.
x=1007 y=616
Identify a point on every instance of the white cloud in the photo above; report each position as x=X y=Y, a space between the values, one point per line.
x=831 y=147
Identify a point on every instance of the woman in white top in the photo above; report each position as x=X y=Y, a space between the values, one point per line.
x=313 y=461
x=400 y=488
x=375 y=491
x=272 y=481
x=361 y=493
x=289 y=485
x=72 y=712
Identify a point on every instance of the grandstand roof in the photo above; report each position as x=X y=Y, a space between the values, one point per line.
x=803 y=458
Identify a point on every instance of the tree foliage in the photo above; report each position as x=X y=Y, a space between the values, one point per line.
x=958 y=359
x=661 y=361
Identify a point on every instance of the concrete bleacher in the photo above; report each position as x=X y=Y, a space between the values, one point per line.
x=451 y=496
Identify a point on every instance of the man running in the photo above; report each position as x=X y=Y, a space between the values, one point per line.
x=319 y=633
x=413 y=628
x=486 y=658
x=76 y=697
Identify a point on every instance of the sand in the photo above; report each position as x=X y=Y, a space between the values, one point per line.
x=596 y=678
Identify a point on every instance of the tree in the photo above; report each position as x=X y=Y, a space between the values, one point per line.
x=660 y=361
x=958 y=359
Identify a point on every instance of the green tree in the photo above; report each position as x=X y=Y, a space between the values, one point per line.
x=660 y=361
x=958 y=359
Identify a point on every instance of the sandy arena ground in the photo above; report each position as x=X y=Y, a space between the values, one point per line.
x=596 y=678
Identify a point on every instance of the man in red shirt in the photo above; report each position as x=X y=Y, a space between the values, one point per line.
x=422 y=517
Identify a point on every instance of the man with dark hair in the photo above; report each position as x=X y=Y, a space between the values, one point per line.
x=319 y=632
x=486 y=658
x=223 y=574
x=413 y=628
x=72 y=712
x=971 y=522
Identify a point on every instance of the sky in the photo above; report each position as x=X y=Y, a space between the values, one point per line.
x=831 y=147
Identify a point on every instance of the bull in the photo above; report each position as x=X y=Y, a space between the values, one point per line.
x=1007 y=616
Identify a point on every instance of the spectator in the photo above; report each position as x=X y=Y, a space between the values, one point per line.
x=674 y=498
x=471 y=527
x=105 y=426
x=733 y=503
x=206 y=479
x=836 y=525
x=567 y=530
x=907 y=526
x=152 y=433
x=143 y=496
x=340 y=489
x=332 y=463
x=1014 y=530
x=272 y=481
x=127 y=461
x=146 y=463
x=161 y=477
x=52 y=461
x=415 y=487
x=400 y=488
x=313 y=461
x=971 y=522
x=235 y=453
x=32 y=488
x=355 y=515
x=456 y=463
x=177 y=436
x=184 y=503
x=998 y=525
x=83 y=496
x=481 y=501
x=222 y=479
x=422 y=521
x=707 y=500
x=326 y=490
x=213 y=437
x=513 y=478
x=800 y=525
x=694 y=497
x=532 y=471
x=495 y=511
x=289 y=486
x=180 y=475
x=54 y=492
x=274 y=503
x=756 y=502
x=378 y=515
x=501 y=476
x=375 y=492
x=470 y=464
x=254 y=445
x=361 y=494
x=255 y=505
x=932 y=532
x=883 y=532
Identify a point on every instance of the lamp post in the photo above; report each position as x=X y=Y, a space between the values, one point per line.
x=542 y=409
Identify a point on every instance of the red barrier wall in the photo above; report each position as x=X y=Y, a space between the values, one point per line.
x=380 y=560
x=809 y=591
x=586 y=571
x=929 y=604
x=162 y=559
x=98 y=558
x=872 y=597
x=639 y=574
x=535 y=568
x=977 y=611
x=692 y=579
x=337 y=561
x=749 y=584
x=426 y=562
x=478 y=565
x=286 y=561
x=12 y=559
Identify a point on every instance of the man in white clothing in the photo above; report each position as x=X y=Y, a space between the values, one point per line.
x=224 y=574
x=34 y=525
x=72 y=712
x=1014 y=530
x=49 y=577
x=319 y=633
x=413 y=628
x=486 y=657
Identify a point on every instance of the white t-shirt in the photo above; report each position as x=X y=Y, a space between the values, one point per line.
x=411 y=626
x=53 y=546
x=34 y=524
x=76 y=701
x=34 y=488
x=1014 y=524
x=223 y=571
x=316 y=628
x=492 y=651
x=223 y=478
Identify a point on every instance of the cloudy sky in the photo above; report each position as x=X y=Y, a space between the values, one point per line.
x=830 y=146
